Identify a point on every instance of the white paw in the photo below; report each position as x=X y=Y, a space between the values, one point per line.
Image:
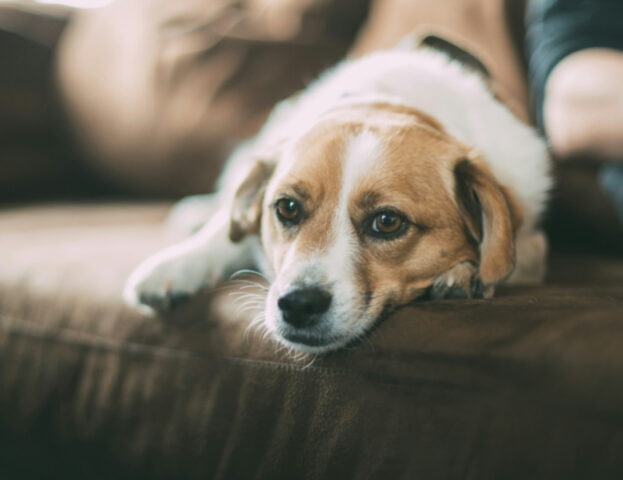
x=164 y=281
x=176 y=274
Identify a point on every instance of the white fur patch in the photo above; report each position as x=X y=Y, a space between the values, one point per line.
x=362 y=152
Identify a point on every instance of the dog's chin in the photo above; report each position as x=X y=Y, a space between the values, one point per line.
x=310 y=343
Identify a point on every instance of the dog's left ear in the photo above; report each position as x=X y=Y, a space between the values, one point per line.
x=246 y=208
x=491 y=218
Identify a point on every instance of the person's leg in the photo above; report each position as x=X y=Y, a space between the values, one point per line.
x=484 y=28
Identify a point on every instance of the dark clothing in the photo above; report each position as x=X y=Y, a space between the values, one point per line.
x=557 y=28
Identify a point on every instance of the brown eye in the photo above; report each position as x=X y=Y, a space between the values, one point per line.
x=386 y=223
x=288 y=211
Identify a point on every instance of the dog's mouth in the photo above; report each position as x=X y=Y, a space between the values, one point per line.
x=315 y=342
x=307 y=339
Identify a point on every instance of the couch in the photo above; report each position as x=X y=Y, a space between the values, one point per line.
x=524 y=385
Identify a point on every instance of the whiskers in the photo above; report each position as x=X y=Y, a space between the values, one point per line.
x=249 y=301
x=252 y=273
x=250 y=297
x=300 y=357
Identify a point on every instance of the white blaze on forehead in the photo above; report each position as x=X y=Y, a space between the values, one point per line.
x=362 y=152
x=336 y=263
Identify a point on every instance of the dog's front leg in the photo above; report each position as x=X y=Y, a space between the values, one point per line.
x=461 y=281
x=175 y=274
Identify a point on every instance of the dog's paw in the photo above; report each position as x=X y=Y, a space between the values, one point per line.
x=461 y=281
x=161 y=284
x=149 y=302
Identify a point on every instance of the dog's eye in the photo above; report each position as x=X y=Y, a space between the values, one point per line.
x=386 y=224
x=288 y=211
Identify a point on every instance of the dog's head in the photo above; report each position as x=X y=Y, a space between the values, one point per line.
x=357 y=217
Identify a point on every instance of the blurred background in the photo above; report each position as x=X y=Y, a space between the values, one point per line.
x=111 y=110
x=146 y=98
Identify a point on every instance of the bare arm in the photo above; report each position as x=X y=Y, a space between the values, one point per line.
x=583 y=107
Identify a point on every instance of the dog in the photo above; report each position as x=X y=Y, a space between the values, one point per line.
x=393 y=177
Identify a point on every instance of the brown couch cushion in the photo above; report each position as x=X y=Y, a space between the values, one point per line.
x=526 y=385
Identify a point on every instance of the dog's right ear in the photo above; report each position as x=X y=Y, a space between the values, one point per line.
x=246 y=208
x=491 y=219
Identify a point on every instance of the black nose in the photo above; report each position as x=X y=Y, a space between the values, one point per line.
x=302 y=307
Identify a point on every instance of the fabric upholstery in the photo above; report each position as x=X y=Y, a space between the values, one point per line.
x=526 y=385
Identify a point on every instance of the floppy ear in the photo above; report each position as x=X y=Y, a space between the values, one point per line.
x=491 y=218
x=246 y=208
